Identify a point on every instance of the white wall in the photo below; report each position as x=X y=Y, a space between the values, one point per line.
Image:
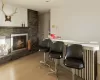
x=17 y=19
x=77 y=20
x=57 y=20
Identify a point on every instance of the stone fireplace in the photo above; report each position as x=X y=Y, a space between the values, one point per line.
x=13 y=39
x=31 y=33
x=18 y=41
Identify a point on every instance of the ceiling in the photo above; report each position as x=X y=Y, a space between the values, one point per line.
x=39 y=5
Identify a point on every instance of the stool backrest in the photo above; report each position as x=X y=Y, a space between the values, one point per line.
x=74 y=51
x=46 y=43
x=58 y=46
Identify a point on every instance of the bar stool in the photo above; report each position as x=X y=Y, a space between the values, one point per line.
x=44 y=46
x=74 y=58
x=56 y=52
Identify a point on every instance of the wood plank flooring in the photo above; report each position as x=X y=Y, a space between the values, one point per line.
x=28 y=68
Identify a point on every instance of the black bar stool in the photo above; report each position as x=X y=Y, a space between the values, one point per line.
x=56 y=52
x=44 y=46
x=74 y=58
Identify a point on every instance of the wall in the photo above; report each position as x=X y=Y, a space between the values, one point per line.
x=57 y=21
x=46 y=24
x=17 y=19
x=44 y=20
x=41 y=27
x=77 y=20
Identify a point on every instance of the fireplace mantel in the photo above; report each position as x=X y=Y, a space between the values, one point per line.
x=11 y=27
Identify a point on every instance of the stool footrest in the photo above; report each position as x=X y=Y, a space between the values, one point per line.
x=44 y=63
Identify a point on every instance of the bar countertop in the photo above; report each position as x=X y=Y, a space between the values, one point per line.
x=93 y=46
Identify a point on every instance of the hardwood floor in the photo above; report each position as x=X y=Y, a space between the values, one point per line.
x=28 y=68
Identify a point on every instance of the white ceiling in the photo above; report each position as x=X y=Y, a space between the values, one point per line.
x=39 y=5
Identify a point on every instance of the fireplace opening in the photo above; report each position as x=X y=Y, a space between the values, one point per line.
x=18 y=41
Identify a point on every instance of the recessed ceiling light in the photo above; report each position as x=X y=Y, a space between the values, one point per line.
x=47 y=0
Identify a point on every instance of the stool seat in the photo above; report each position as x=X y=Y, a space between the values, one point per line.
x=74 y=58
x=44 y=46
x=56 y=55
x=56 y=52
x=74 y=63
x=44 y=49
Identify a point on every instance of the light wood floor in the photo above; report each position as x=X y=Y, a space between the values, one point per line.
x=27 y=68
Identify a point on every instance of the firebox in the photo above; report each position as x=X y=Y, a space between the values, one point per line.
x=18 y=41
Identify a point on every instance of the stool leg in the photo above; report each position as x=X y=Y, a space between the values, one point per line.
x=44 y=57
x=55 y=71
x=55 y=67
x=44 y=60
x=73 y=74
x=56 y=63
